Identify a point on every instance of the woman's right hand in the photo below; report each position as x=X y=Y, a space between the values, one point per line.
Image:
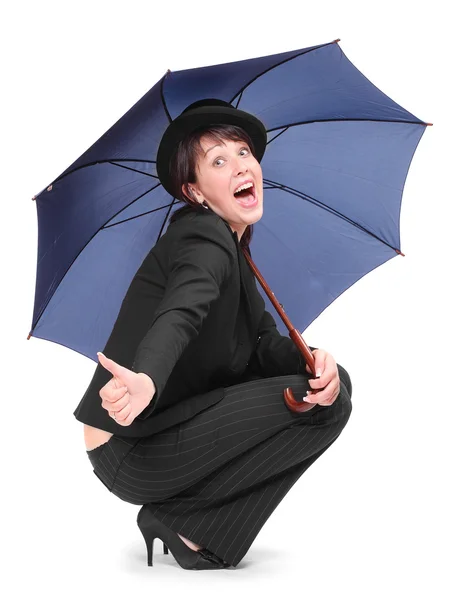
x=127 y=394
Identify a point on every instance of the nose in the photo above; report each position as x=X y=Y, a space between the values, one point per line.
x=240 y=165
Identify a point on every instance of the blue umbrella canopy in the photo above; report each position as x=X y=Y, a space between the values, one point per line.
x=336 y=161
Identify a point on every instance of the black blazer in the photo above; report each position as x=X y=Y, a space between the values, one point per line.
x=195 y=322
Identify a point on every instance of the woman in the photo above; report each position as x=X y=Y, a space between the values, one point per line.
x=192 y=424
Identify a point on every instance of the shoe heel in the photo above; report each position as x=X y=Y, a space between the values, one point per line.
x=149 y=543
x=149 y=537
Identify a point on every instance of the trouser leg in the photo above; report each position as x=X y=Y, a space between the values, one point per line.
x=228 y=527
x=217 y=477
x=226 y=510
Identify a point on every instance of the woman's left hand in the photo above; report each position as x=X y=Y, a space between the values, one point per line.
x=127 y=394
x=328 y=385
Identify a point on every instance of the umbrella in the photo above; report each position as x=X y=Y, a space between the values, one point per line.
x=336 y=160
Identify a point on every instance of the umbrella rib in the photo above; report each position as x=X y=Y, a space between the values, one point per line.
x=114 y=161
x=164 y=220
x=307 y=198
x=134 y=170
x=147 y=212
x=277 y=65
x=349 y=119
x=240 y=97
x=276 y=136
x=106 y=226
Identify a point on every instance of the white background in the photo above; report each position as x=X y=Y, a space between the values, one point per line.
x=387 y=512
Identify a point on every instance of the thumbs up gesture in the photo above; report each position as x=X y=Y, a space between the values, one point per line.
x=127 y=394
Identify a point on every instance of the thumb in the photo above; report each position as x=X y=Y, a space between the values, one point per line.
x=120 y=373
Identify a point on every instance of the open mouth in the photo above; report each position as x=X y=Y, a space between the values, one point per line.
x=247 y=196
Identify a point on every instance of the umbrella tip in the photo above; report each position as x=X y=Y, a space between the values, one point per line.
x=430 y=124
x=29 y=336
x=399 y=252
x=337 y=40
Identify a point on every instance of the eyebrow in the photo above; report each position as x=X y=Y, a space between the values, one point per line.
x=212 y=148
x=218 y=145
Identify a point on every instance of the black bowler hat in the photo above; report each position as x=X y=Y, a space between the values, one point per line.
x=210 y=111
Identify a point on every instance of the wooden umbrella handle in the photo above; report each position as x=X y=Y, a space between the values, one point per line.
x=294 y=334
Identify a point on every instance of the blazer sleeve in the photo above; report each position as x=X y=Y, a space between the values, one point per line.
x=200 y=265
x=276 y=354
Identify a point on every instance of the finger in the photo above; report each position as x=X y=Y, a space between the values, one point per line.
x=315 y=369
x=319 y=355
x=330 y=394
x=116 y=394
x=112 y=390
x=330 y=373
x=122 y=414
x=324 y=397
x=112 y=394
x=318 y=384
x=113 y=416
x=127 y=420
x=117 y=405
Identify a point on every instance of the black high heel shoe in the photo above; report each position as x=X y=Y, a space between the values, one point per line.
x=187 y=558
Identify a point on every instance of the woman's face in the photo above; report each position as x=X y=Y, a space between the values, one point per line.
x=221 y=169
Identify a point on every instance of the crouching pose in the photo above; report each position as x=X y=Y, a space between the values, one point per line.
x=185 y=412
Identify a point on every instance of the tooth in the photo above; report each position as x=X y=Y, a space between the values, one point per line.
x=244 y=187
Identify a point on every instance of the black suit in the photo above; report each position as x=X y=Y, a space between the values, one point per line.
x=217 y=449
x=194 y=320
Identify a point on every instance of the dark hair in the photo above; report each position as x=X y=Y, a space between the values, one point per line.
x=183 y=167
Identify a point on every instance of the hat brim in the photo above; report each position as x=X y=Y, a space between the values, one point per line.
x=202 y=117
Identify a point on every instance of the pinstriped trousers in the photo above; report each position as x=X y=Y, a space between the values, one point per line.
x=217 y=477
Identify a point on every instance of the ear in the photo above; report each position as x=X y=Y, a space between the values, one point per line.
x=185 y=188
x=191 y=192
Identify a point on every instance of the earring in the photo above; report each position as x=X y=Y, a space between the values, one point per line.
x=192 y=192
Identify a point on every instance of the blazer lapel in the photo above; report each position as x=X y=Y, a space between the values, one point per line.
x=250 y=295
x=251 y=299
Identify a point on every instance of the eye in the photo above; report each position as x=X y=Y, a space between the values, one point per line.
x=245 y=148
